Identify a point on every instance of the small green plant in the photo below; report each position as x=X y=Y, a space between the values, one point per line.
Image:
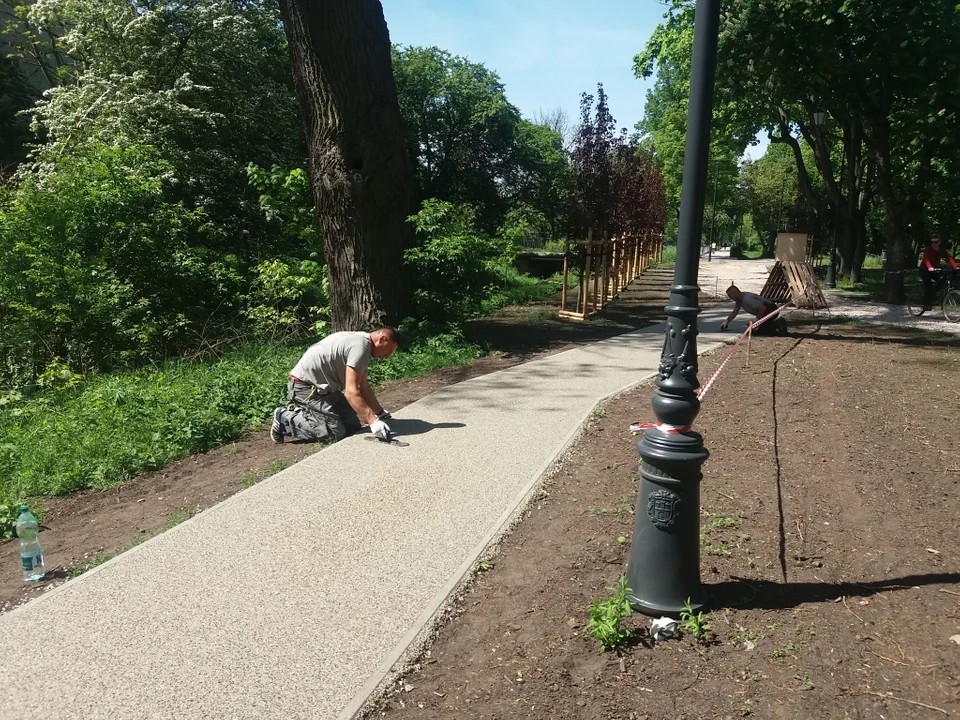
x=599 y=411
x=746 y=710
x=484 y=566
x=721 y=549
x=101 y=558
x=778 y=654
x=9 y=512
x=694 y=623
x=180 y=516
x=607 y=616
x=383 y=705
x=172 y=521
x=720 y=521
x=252 y=478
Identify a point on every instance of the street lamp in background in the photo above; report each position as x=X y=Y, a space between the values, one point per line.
x=713 y=217
x=819 y=118
x=663 y=569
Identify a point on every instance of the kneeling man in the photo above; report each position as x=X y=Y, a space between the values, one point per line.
x=757 y=306
x=328 y=389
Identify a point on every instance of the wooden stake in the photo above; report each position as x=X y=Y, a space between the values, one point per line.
x=593 y=273
x=605 y=266
x=566 y=269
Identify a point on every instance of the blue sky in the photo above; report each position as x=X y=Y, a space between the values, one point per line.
x=546 y=51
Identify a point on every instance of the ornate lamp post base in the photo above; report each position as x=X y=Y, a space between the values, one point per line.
x=667 y=524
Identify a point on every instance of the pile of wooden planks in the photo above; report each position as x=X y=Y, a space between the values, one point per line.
x=796 y=281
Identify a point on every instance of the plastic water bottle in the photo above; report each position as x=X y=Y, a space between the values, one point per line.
x=31 y=555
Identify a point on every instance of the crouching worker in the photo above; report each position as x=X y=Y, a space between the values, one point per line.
x=328 y=389
x=757 y=306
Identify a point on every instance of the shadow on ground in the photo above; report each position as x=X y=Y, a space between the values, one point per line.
x=749 y=594
x=403 y=427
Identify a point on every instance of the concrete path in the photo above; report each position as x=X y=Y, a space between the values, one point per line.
x=751 y=275
x=292 y=599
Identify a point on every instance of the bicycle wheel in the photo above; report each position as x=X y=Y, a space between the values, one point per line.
x=915 y=301
x=951 y=305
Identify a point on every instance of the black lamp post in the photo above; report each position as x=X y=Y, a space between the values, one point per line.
x=663 y=569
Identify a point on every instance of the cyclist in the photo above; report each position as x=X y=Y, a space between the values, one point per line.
x=929 y=267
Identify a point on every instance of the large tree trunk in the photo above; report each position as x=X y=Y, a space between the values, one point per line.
x=359 y=167
x=859 y=247
x=895 y=210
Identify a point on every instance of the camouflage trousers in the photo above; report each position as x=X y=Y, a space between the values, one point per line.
x=311 y=416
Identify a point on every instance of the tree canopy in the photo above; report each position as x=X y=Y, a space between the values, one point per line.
x=884 y=74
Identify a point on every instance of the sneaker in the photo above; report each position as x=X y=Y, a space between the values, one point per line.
x=277 y=430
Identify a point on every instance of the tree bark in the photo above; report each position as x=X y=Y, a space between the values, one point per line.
x=360 y=170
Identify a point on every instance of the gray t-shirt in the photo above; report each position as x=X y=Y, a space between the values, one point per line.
x=325 y=363
x=751 y=302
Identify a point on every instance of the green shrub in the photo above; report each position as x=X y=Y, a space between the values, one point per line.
x=289 y=298
x=455 y=266
x=461 y=273
x=100 y=269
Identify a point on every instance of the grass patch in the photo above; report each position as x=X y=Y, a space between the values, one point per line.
x=100 y=558
x=107 y=429
x=252 y=478
x=870 y=286
x=669 y=254
x=517 y=288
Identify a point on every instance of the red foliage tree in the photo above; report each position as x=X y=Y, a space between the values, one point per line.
x=618 y=187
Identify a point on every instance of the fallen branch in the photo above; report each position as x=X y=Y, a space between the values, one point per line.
x=894 y=697
x=949 y=592
x=897 y=662
x=851 y=611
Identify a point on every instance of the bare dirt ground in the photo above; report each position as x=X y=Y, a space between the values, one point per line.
x=829 y=548
x=80 y=527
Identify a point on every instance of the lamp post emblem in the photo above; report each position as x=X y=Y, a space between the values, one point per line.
x=663 y=507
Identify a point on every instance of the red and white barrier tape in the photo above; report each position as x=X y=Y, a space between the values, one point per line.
x=636 y=428
x=662 y=427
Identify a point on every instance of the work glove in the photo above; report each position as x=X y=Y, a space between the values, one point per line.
x=384 y=415
x=381 y=430
x=723 y=326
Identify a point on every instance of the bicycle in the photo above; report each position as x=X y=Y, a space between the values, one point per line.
x=946 y=288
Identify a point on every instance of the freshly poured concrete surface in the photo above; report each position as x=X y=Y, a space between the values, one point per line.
x=286 y=600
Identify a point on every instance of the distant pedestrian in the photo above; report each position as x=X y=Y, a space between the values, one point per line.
x=328 y=389
x=929 y=267
x=757 y=306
